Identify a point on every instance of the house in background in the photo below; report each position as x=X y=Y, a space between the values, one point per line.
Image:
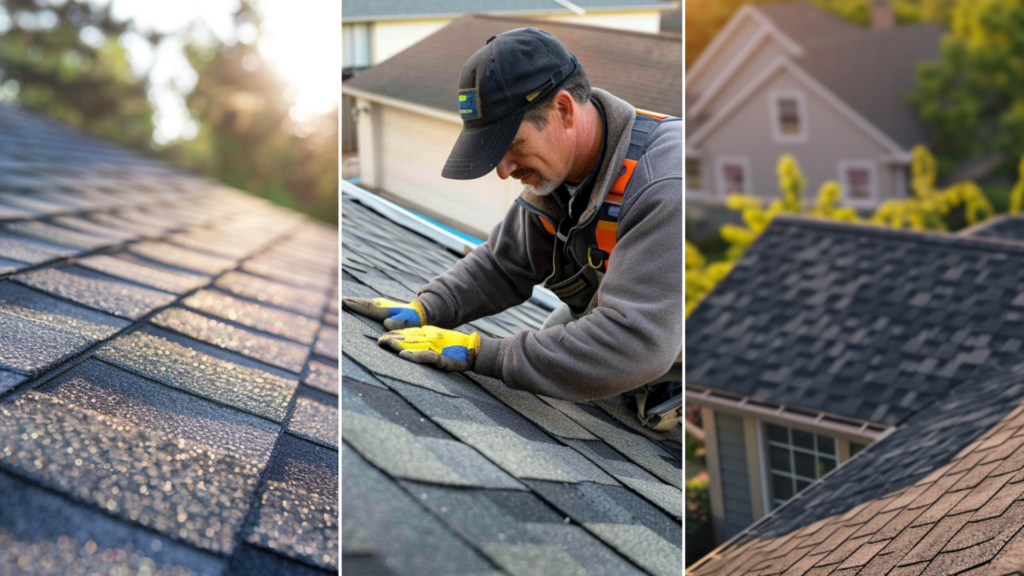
x=373 y=31
x=408 y=116
x=791 y=78
x=828 y=337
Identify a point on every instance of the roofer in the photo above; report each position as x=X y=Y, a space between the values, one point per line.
x=599 y=223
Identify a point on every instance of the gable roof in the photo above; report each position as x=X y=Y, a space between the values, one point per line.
x=860 y=321
x=168 y=368
x=448 y=473
x=643 y=69
x=872 y=71
x=374 y=10
x=939 y=496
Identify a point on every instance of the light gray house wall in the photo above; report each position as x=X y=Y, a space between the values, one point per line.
x=732 y=454
x=831 y=138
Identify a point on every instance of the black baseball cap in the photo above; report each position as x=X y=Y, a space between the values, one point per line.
x=513 y=71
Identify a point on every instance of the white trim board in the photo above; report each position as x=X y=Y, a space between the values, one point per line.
x=720 y=39
x=781 y=64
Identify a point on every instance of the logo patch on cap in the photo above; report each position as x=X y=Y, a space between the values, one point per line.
x=469 y=104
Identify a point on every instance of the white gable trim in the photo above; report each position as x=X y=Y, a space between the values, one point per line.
x=726 y=73
x=784 y=64
x=452 y=117
x=720 y=39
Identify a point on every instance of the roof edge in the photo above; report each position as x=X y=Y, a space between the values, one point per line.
x=559 y=10
x=845 y=427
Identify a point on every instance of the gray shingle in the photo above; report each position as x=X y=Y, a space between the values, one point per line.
x=256 y=316
x=315 y=421
x=97 y=291
x=166 y=279
x=276 y=352
x=191 y=366
x=37 y=331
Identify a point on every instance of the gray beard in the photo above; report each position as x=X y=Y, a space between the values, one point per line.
x=545 y=188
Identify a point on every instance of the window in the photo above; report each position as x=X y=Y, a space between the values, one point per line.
x=857 y=179
x=789 y=117
x=796 y=459
x=733 y=176
x=693 y=174
x=355 y=45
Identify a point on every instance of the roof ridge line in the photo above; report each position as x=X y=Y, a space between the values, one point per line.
x=924 y=236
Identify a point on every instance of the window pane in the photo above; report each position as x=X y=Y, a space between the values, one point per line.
x=789 y=117
x=805 y=464
x=826 y=445
x=825 y=465
x=859 y=182
x=780 y=459
x=734 y=177
x=801 y=485
x=778 y=434
x=782 y=487
x=693 y=180
x=803 y=439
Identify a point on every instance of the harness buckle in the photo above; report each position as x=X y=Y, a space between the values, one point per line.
x=590 y=261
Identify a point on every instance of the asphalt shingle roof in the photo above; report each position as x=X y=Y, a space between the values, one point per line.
x=370 y=10
x=941 y=495
x=458 y=474
x=154 y=329
x=864 y=322
x=643 y=69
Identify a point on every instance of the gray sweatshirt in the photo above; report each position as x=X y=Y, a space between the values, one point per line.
x=634 y=333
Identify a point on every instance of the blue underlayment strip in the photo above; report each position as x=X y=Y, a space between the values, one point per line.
x=471 y=239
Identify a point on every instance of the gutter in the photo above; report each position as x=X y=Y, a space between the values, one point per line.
x=420 y=225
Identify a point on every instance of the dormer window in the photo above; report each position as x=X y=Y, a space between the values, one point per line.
x=789 y=117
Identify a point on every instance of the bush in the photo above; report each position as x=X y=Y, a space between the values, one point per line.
x=699 y=537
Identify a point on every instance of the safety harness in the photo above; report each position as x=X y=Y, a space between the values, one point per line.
x=581 y=257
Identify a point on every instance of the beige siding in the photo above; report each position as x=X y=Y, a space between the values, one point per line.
x=390 y=38
x=413 y=152
x=697 y=83
x=831 y=138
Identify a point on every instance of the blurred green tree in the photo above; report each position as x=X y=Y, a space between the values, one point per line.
x=247 y=135
x=973 y=97
x=65 y=60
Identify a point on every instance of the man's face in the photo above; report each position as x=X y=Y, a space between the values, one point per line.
x=540 y=159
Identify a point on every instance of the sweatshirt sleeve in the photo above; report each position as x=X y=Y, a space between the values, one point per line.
x=497 y=275
x=632 y=336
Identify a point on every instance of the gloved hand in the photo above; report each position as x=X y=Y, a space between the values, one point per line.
x=394 y=315
x=449 y=350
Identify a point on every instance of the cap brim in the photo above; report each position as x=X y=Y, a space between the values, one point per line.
x=479 y=150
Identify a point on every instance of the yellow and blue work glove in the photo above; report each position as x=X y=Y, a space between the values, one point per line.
x=449 y=350
x=394 y=315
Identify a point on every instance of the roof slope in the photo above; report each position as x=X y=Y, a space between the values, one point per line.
x=871 y=70
x=858 y=321
x=643 y=69
x=939 y=496
x=368 y=10
x=456 y=474
x=168 y=368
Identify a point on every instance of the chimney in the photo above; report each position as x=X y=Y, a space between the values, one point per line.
x=882 y=16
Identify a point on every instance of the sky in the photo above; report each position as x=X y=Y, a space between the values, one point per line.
x=301 y=38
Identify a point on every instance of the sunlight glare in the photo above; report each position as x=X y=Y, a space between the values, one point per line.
x=302 y=39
